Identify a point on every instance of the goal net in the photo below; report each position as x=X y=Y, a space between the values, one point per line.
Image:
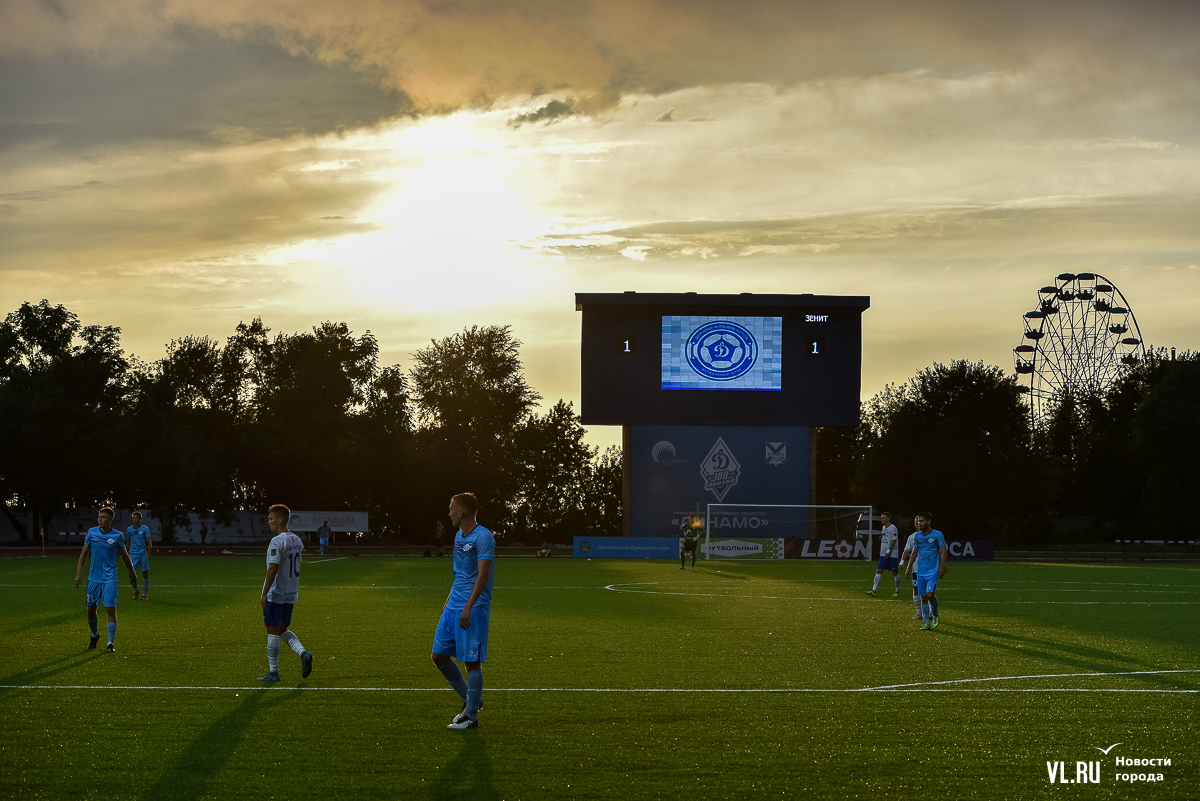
x=768 y=531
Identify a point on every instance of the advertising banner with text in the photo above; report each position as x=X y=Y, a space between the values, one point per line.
x=743 y=548
x=627 y=547
x=337 y=521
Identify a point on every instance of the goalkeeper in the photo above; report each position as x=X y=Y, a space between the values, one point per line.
x=692 y=530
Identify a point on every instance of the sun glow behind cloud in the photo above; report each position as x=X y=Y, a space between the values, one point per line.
x=444 y=231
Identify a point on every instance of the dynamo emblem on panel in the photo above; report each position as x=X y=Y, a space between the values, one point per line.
x=722 y=350
x=662 y=451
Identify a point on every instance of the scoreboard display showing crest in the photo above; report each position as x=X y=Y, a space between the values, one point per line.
x=690 y=359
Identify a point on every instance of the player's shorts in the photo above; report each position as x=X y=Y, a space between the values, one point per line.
x=102 y=593
x=688 y=547
x=141 y=561
x=926 y=584
x=465 y=645
x=891 y=563
x=914 y=581
x=324 y=540
x=278 y=614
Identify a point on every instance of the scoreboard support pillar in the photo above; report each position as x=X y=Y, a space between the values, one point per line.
x=670 y=472
x=626 y=481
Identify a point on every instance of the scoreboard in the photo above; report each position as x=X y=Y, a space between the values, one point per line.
x=690 y=359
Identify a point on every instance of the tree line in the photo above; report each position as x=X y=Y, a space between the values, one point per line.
x=958 y=440
x=310 y=418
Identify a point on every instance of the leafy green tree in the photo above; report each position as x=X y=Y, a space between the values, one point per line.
x=955 y=440
x=61 y=387
x=556 y=468
x=179 y=428
x=1165 y=444
x=471 y=398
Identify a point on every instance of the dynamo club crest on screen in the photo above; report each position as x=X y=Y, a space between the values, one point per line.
x=701 y=352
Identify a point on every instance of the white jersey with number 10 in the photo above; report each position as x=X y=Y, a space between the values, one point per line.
x=284 y=551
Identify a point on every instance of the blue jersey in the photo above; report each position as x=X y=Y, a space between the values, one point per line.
x=468 y=551
x=106 y=550
x=137 y=539
x=928 y=546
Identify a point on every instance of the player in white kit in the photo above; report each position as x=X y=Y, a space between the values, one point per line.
x=910 y=552
x=280 y=592
x=889 y=546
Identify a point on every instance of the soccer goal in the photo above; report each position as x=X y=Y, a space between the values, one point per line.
x=762 y=531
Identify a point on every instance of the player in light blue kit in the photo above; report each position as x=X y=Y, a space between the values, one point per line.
x=930 y=546
x=280 y=591
x=139 y=544
x=463 y=628
x=104 y=545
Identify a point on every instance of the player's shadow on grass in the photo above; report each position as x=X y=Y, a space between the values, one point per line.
x=46 y=622
x=36 y=675
x=469 y=774
x=187 y=776
x=1073 y=656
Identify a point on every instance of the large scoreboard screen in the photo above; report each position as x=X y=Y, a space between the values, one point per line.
x=706 y=352
x=689 y=359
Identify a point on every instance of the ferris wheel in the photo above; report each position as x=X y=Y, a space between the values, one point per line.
x=1077 y=340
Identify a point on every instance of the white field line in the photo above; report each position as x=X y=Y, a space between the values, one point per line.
x=953 y=602
x=1035 y=676
x=932 y=686
x=443 y=587
x=623 y=588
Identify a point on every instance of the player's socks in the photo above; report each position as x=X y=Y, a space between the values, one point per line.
x=897 y=578
x=474 y=692
x=293 y=641
x=455 y=677
x=875 y=586
x=917 y=603
x=112 y=633
x=145 y=586
x=273 y=652
x=925 y=612
x=933 y=607
x=94 y=625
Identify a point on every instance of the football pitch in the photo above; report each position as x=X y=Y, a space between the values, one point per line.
x=607 y=679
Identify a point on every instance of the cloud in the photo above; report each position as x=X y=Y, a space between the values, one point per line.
x=454 y=54
x=192 y=86
x=37 y=195
x=551 y=112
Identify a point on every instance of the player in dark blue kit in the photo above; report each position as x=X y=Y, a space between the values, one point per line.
x=463 y=628
x=104 y=545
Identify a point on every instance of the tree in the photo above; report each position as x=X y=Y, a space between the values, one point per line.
x=1165 y=444
x=61 y=386
x=180 y=426
x=471 y=398
x=556 y=472
x=954 y=440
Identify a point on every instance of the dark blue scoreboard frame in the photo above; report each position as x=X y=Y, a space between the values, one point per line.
x=622 y=369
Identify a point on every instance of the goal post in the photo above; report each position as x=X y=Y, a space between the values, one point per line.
x=762 y=531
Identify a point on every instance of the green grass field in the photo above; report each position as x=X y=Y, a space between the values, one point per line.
x=605 y=679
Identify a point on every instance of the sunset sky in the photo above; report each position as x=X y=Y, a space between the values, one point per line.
x=175 y=166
